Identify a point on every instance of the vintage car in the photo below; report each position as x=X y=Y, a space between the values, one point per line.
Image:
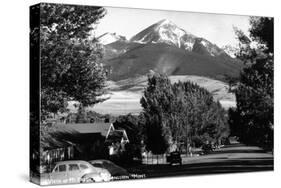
x=116 y=171
x=66 y=172
x=174 y=158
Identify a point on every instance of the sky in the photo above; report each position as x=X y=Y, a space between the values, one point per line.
x=217 y=28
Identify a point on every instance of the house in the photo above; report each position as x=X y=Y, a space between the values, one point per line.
x=84 y=141
x=116 y=135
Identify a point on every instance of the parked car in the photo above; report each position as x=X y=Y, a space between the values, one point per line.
x=116 y=171
x=66 y=172
x=174 y=158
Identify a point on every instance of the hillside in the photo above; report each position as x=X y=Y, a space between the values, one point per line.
x=165 y=48
x=125 y=94
x=139 y=59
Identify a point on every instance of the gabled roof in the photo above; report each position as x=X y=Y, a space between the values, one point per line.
x=84 y=127
x=117 y=134
x=54 y=143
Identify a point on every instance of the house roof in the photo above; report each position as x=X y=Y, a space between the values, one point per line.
x=63 y=135
x=117 y=135
x=53 y=143
x=84 y=127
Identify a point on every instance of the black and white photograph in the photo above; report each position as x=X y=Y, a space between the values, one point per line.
x=128 y=94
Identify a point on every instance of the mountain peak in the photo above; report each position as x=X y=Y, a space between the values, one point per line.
x=165 y=31
x=205 y=47
x=108 y=38
x=165 y=22
x=167 y=25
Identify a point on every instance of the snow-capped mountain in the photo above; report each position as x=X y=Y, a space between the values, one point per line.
x=205 y=47
x=166 y=31
x=166 y=48
x=108 y=38
x=230 y=50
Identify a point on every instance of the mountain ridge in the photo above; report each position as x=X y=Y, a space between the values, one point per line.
x=166 y=48
x=165 y=31
x=108 y=38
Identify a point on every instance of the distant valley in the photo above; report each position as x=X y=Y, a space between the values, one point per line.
x=165 y=48
x=124 y=95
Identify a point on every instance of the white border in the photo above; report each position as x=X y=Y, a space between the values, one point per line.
x=14 y=76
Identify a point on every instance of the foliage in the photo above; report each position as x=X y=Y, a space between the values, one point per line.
x=180 y=112
x=88 y=116
x=130 y=124
x=203 y=119
x=252 y=121
x=70 y=68
x=262 y=31
x=156 y=136
x=156 y=102
x=34 y=142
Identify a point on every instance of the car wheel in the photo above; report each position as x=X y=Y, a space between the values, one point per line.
x=88 y=180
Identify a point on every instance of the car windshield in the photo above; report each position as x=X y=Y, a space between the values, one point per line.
x=106 y=162
x=56 y=169
x=109 y=165
x=99 y=165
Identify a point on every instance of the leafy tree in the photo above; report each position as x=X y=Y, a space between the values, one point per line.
x=180 y=112
x=252 y=120
x=156 y=137
x=70 y=68
x=261 y=31
x=156 y=102
x=130 y=124
x=203 y=119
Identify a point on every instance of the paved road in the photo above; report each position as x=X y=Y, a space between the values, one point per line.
x=230 y=159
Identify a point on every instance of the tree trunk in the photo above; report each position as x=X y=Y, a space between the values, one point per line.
x=187 y=147
x=157 y=159
x=81 y=114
